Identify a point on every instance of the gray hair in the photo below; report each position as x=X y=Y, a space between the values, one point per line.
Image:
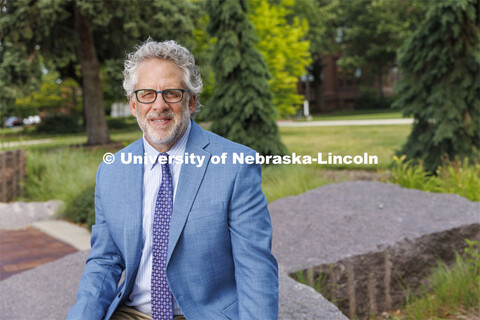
x=167 y=50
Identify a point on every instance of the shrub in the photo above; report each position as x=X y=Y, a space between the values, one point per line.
x=368 y=98
x=60 y=124
x=81 y=208
x=457 y=176
x=460 y=177
x=116 y=123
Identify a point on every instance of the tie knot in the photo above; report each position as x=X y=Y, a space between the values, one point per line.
x=163 y=157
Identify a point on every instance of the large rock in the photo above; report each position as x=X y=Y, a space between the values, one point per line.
x=300 y=302
x=367 y=240
x=48 y=292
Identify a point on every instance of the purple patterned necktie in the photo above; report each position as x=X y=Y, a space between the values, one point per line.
x=161 y=295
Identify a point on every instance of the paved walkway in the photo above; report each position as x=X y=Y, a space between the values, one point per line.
x=24 y=143
x=26 y=249
x=335 y=123
x=30 y=237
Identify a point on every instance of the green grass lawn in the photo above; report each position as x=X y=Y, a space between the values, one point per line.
x=359 y=115
x=59 y=141
x=347 y=140
x=290 y=180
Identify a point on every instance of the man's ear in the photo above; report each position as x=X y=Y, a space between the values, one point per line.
x=192 y=103
x=131 y=105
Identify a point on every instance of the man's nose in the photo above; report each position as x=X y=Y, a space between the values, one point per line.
x=160 y=104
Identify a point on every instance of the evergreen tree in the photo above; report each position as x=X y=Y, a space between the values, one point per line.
x=440 y=64
x=241 y=107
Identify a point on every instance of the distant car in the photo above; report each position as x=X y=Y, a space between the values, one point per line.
x=12 y=122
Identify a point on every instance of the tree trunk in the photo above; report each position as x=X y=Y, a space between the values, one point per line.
x=97 y=130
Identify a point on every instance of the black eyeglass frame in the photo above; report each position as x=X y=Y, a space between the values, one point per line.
x=156 y=95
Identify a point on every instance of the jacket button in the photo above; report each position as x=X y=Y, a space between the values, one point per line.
x=119 y=294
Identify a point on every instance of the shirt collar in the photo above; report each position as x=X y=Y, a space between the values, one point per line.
x=177 y=150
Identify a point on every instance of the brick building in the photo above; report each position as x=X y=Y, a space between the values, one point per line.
x=339 y=89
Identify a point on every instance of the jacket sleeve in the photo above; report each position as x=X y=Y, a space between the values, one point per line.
x=103 y=269
x=256 y=270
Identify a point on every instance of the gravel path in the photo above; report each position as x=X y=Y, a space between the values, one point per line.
x=46 y=292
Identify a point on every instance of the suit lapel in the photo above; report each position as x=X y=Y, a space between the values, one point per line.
x=133 y=200
x=189 y=182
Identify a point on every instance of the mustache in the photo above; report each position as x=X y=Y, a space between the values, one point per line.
x=166 y=113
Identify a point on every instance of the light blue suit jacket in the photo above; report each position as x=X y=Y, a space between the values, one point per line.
x=219 y=263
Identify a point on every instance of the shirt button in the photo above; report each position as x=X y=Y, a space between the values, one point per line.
x=119 y=294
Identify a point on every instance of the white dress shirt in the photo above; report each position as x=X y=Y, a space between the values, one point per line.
x=140 y=297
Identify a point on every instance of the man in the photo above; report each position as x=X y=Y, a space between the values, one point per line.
x=193 y=239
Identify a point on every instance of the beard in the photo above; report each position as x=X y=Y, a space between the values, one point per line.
x=169 y=135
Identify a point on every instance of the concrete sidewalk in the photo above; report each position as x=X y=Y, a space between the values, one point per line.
x=67 y=232
x=335 y=123
x=30 y=236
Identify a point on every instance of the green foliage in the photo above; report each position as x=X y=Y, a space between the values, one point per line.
x=412 y=176
x=52 y=95
x=241 y=108
x=284 y=48
x=369 y=99
x=19 y=65
x=51 y=30
x=452 y=177
x=289 y=180
x=363 y=34
x=450 y=291
x=67 y=175
x=440 y=64
x=323 y=19
x=117 y=123
x=59 y=124
x=59 y=174
x=371 y=31
x=472 y=259
x=81 y=208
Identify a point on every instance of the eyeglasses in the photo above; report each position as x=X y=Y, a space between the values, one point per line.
x=168 y=95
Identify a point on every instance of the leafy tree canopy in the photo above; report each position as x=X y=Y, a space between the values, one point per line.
x=285 y=50
x=53 y=94
x=86 y=33
x=371 y=32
